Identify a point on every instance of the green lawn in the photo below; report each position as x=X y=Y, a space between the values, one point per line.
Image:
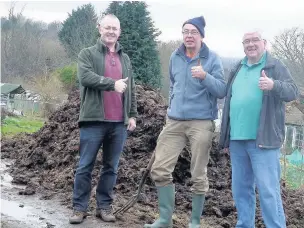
x=12 y=126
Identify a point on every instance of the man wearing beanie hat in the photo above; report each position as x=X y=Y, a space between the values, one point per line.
x=196 y=82
x=199 y=23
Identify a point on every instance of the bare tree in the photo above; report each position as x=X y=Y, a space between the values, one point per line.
x=25 y=46
x=49 y=86
x=289 y=47
x=165 y=50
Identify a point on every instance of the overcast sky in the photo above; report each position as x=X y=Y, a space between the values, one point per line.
x=226 y=20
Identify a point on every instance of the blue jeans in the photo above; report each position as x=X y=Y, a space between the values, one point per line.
x=112 y=137
x=261 y=167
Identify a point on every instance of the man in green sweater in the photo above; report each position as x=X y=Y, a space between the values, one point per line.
x=107 y=110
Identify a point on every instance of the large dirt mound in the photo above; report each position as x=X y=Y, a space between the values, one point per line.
x=46 y=162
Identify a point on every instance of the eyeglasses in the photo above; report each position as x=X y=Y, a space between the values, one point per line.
x=191 y=32
x=253 y=40
x=109 y=28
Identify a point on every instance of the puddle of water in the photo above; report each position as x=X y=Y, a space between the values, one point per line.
x=12 y=209
x=6 y=179
x=24 y=214
x=33 y=213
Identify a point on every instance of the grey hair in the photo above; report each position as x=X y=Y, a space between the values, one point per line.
x=261 y=34
x=258 y=31
x=102 y=18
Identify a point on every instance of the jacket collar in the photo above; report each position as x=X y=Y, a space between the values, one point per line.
x=203 y=53
x=270 y=61
x=244 y=61
x=103 y=48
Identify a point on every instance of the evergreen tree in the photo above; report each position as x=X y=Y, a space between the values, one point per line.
x=79 y=30
x=139 y=40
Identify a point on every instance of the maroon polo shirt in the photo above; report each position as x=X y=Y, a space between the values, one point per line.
x=113 y=101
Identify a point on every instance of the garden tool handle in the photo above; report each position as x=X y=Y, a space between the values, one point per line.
x=152 y=159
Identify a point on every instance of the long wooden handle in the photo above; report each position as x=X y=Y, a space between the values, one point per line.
x=152 y=159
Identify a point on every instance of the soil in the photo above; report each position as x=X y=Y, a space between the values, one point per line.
x=45 y=163
x=28 y=211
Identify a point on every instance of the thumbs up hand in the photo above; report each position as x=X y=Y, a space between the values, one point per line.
x=265 y=83
x=121 y=85
x=198 y=71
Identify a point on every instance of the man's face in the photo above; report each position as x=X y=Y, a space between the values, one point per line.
x=109 y=30
x=254 y=45
x=191 y=36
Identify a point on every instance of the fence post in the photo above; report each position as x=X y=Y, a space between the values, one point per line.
x=284 y=172
x=33 y=106
x=302 y=171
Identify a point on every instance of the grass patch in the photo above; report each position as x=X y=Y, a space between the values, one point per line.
x=294 y=177
x=12 y=126
x=292 y=174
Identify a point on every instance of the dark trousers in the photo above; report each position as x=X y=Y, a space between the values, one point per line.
x=111 y=136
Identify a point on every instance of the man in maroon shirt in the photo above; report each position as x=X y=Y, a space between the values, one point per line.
x=107 y=110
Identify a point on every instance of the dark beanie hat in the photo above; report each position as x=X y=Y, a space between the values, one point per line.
x=199 y=23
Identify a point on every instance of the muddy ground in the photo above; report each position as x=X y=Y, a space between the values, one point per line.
x=45 y=163
x=20 y=211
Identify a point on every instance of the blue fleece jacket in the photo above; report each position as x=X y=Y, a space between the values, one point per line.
x=191 y=98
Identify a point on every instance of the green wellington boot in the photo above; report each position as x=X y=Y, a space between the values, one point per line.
x=197 y=209
x=166 y=201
